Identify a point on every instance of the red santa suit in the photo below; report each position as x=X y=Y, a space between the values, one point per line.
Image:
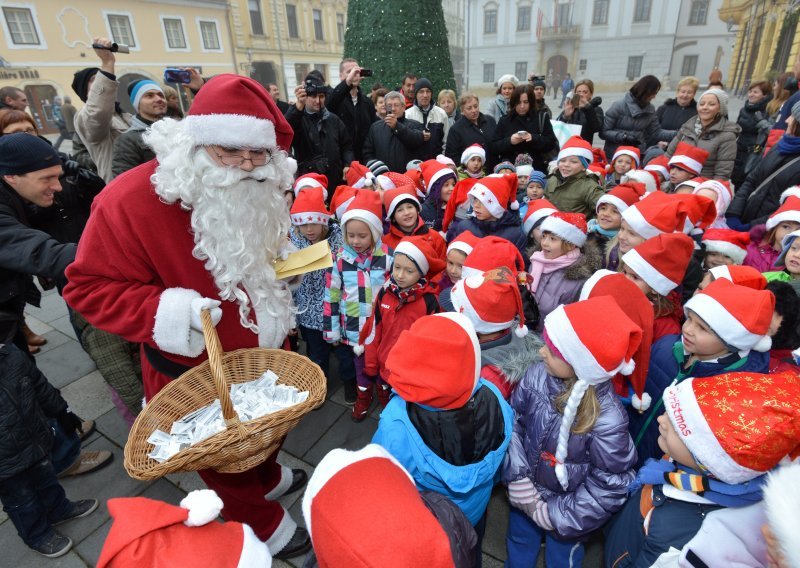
x=135 y=276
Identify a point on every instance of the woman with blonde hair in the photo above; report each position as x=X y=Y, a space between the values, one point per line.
x=448 y=101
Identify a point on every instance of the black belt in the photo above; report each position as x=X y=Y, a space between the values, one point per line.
x=162 y=364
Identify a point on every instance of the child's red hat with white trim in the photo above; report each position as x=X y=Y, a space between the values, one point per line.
x=309 y=208
x=648 y=178
x=538 y=210
x=419 y=249
x=492 y=252
x=578 y=147
x=312 y=180
x=457 y=200
x=496 y=193
x=659 y=164
x=570 y=227
x=433 y=171
x=657 y=213
x=366 y=207
x=465 y=242
x=732 y=244
x=491 y=301
x=661 y=261
x=689 y=158
x=341 y=199
x=700 y=211
x=630 y=151
x=791 y=191
x=359 y=175
x=392 y=198
x=788 y=211
x=623 y=196
x=740 y=275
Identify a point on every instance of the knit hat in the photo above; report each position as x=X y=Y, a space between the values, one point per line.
x=471 y=151
x=631 y=151
x=735 y=425
x=359 y=175
x=80 y=81
x=392 y=198
x=576 y=146
x=659 y=164
x=419 y=249
x=341 y=199
x=655 y=214
x=377 y=167
x=505 y=166
x=21 y=153
x=689 y=158
x=445 y=368
x=570 y=227
x=465 y=242
x=491 y=301
x=413 y=164
x=146 y=532
x=538 y=211
x=700 y=211
x=491 y=252
x=740 y=316
x=722 y=97
x=523 y=165
x=366 y=207
x=138 y=89
x=237 y=112
x=786 y=244
x=788 y=211
x=622 y=196
x=348 y=491
x=497 y=194
x=661 y=261
x=648 y=178
x=595 y=352
x=723 y=191
x=458 y=202
x=732 y=244
x=636 y=306
x=508 y=78
x=309 y=207
x=312 y=180
x=433 y=171
x=740 y=275
x=538 y=177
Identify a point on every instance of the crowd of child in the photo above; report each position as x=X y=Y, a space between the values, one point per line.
x=596 y=339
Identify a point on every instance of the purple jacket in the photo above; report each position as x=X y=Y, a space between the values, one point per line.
x=599 y=464
x=760 y=256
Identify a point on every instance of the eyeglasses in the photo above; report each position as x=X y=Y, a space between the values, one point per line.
x=26 y=131
x=256 y=157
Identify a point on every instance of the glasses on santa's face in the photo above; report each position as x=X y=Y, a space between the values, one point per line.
x=238 y=156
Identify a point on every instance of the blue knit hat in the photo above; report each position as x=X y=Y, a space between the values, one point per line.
x=23 y=153
x=505 y=166
x=139 y=88
x=537 y=176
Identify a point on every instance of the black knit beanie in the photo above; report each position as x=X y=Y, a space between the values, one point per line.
x=22 y=153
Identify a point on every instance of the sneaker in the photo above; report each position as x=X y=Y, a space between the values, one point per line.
x=300 y=543
x=384 y=394
x=87 y=428
x=350 y=392
x=55 y=546
x=82 y=508
x=363 y=403
x=88 y=462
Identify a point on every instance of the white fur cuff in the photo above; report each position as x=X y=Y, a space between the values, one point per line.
x=172 y=331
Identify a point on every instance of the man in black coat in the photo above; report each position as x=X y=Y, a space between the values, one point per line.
x=394 y=140
x=349 y=103
x=321 y=143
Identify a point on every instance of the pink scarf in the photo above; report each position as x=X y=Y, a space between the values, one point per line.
x=541 y=265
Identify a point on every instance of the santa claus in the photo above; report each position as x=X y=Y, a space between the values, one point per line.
x=200 y=227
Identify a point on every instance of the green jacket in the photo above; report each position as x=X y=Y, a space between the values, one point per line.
x=576 y=194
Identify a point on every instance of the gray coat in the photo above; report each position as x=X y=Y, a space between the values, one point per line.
x=129 y=148
x=720 y=142
x=628 y=124
x=599 y=463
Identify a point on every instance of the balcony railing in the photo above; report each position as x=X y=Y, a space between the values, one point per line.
x=560 y=32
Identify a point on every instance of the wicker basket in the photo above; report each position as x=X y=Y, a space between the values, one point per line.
x=242 y=445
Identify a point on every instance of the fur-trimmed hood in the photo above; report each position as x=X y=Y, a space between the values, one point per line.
x=525 y=352
x=782 y=502
x=587 y=264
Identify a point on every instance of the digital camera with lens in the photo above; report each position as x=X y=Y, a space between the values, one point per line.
x=313 y=89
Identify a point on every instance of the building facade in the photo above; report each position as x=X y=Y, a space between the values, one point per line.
x=44 y=42
x=454 y=18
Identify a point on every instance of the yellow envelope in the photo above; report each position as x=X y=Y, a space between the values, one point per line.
x=309 y=259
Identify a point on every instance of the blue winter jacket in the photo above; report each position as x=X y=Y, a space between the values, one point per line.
x=508 y=227
x=468 y=486
x=667 y=366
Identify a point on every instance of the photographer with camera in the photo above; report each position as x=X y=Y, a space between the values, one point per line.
x=321 y=143
x=396 y=139
x=349 y=103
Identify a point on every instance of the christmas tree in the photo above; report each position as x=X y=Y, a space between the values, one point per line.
x=397 y=37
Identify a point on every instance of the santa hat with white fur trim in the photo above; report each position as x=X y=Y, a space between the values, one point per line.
x=492 y=252
x=740 y=275
x=792 y=191
x=343 y=486
x=491 y=301
x=689 y=158
x=788 y=211
x=630 y=151
x=359 y=175
x=148 y=532
x=309 y=208
x=595 y=352
x=661 y=261
x=732 y=244
x=433 y=171
x=464 y=242
x=366 y=207
x=312 y=180
x=419 y=249
x=657 y=213
x=740 y=316
x=537 y=211
x=496 y=193
x=392 y=198
x=734 y=424
x=471 y=152
x=570 y=227
x=341 y=199
x=659 y=164
x=578 y=147
x=648 y=178
x=623 y=196
x=692 y=183
x=237 y=112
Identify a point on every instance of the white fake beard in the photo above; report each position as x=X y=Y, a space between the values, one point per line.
x=240 y=222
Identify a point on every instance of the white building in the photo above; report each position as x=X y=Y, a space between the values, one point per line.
x=612 y=42
x=454 y=19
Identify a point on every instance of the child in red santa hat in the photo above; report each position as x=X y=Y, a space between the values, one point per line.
x=625 y=159
x=660 y=166
x=721 y=194
x=472 y=160
x=724 y=247
x=605 y=226
x=403 y=214
x=440 y=181
x=571 y=189
x=722 y=435
x=571 y=458
x=766 y=241
x=686 y=163
x=740 y=275
x=457 y=252
x=407 y=296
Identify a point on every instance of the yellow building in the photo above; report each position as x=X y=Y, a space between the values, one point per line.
x=280 y=42
x=45 y=41
x=767 y=39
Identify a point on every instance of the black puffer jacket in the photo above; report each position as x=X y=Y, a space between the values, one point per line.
x=463 y=539
x=464 y=133
x=26 y=401
x=543 y=138
x=320 y=144
x=356 y=117
x=753 y=207
x=755 y=125
x=671 y=115
x=395 y=148
x=627 y=123
x=590 y=119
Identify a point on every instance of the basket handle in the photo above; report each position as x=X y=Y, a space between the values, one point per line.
x=214 y=349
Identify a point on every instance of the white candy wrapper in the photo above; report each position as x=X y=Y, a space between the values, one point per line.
x=251 y=400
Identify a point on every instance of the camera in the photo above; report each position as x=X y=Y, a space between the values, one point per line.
x=313 y=89
x=365 y=72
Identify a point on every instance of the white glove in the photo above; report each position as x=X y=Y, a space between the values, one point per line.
x=523 y=495
x=542 y=517
x=198 y=305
